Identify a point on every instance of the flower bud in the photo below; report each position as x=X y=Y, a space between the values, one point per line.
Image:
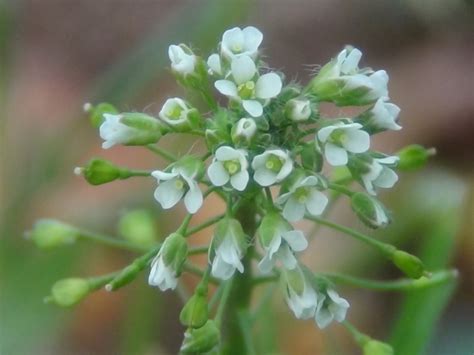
x=375 y=347
x=183 y=60
x=201 y=340
x=49 y=233
x=174 y=252
x=130 y=128
x=298 y=110
x=179 y=115
x=369 y=210
x=409 y=264
x=244 y=131
x=195 y=312
x=139 y=227
x=96 y=113
x=100 y=171
x=414 y=157
x=68 y=292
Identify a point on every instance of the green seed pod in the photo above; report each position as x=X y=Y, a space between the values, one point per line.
x=96 y=113
x=100 y=171
x=369 y=210
x=50 y=233
x=201 y=340
x=414 y=157
x=195 y=312
x=409 y=264
x=68 y=292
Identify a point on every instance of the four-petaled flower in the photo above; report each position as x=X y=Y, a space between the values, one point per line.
x=181 y=62
x=303 y=195
x=238 y=42
x=379 y=174
x=340 y=138
x=174 y=185
x=300 y=296
x=113 y=132
x=382 y=116
x=176 y=112
x=229 y=164
x=330 y=307
x=246 y=88
x=279 y=240
x=271 y=166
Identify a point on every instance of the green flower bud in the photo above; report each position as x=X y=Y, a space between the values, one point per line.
x=96 y=113
x=50 y=233
x=244 y=131
x=191 y=166
x=409 y=264
x=270 y=226
x=100 y=171
x=195 y=312
x=369 y=210
x=218 y=129
x=298 y=110
x=68 y=292
x=375 y=347
x=311 y=158
x=201 y=340
x=139 y=227
x=175 y=251
x=414 y=157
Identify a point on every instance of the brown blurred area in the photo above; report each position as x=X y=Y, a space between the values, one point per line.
x=58 y=48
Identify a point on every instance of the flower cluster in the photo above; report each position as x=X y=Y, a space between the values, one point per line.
x=267 y=146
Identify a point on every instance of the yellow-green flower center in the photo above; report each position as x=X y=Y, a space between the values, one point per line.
x=301 y=194
x=174 y=112
x=246 y=90
x=274 y=163
x=339 y=136
x=232 y=166
x=179 y=184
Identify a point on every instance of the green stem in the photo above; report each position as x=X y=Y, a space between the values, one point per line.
x=204 y=225
x=341 y=189
x=405 y=284
x=198 y=250
x=385 y=248
x=109 y=241
x=227 y=288
x=162 y=152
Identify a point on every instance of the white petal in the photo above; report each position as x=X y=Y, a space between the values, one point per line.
x=264 y=177
x=217 y=174
x=259 y=160
x=358 y=141
x=379 y=81
x=386 y=179
x=232 y=38
x=253 y=107
x=266 y=264
x=161 y=175
x=167 y=194
x=243 y=69
x=239 y=181
x=268 y=86
x=287 y=258
x=323 y=318
x=227 y=153
x=214 y=63
x=222 y=270
x=193 y=198
x=352 y=61
x=226 y=87
x=296 y=240
x=293 y=210
x=309 y=181
x=336 y=156
x=286 y=169
x=325 y=132
x=317 y=202
x=252 y=39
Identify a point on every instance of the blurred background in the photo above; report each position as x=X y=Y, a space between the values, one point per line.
x=56 y=55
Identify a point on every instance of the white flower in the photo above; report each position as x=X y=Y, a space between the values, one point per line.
x=330 y=307
x=341 y=138
x=298 y=110
x=271 y=167
x=229 y=164
x=300 y=297
x=246 y=89
x=175 y=112
x=383 y=115
x=244 y=130
x=380 y=175
x=176 y=184
x=303 y=196
x=279 y=240
x=230 y=244
x=343 y=82
x=161 y=275
x=238 y=42
x=181 y=62
x=113 y=132
x=214 y=64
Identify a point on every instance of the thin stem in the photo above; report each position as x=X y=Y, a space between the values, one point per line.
x=405 y=284
x=163 y=153
x=110 y=241
x=359 y=337
x=184 y=225
x=222 y=304
x=264 y=279
x=138 y=173
x=268 y=193
x=204 y=225
x=341 y=189
x=198 y=250
x=196 y=270
x=385 y=248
